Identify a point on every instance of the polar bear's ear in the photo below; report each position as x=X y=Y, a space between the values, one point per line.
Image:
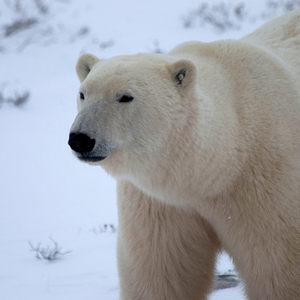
x=183 y=73
x=84 y=65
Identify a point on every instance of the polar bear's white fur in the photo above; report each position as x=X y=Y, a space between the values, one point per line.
x=205 y=145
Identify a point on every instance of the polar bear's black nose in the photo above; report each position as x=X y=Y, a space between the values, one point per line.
x=80 y=142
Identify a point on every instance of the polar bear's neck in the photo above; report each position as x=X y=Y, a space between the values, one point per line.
x=200 y=162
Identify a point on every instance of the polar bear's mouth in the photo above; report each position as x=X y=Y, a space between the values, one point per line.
x=91 y=158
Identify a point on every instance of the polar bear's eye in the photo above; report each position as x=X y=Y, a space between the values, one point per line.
x=81 y=96
x=180 y=76
x=126 y=98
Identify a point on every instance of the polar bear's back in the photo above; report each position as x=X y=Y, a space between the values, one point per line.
x=281 y=36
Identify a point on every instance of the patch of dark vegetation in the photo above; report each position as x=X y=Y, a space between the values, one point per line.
x=18 y=25
x=225 y=16
x=18 y=99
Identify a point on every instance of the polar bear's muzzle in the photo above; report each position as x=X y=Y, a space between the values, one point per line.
x=87 y=149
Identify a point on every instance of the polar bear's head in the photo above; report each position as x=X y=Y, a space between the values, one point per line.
x=130 y=107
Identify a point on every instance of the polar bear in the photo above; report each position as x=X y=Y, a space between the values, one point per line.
x=205 y=145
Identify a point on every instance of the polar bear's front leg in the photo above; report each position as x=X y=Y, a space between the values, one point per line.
x=164 y=253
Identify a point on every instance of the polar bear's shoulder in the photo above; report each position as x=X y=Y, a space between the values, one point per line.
x=280 y=32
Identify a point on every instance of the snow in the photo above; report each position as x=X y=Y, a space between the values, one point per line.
x=45 y=191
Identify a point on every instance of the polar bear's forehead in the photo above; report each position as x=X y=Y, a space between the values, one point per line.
x=123 y=72
x=140 y=58
x=130 y=65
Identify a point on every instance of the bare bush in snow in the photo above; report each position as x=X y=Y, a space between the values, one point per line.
x=16 y=98
x=18 y=25
x=221 y=16
x=49 y=253
x=20 y=8
x=227 y=16
x=105 y=45
x=32 y=22
x=277 y=7
x=157 y=47
x=105 y=228
x=41 y=6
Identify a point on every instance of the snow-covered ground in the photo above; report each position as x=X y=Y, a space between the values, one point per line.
x=45 y=191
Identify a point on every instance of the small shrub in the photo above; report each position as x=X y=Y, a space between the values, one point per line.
x=18 y=25
x=49 y=253
x=226 y=16
x=157 y=48
x=17 y=98
x=41 y=6
x=105 y=228
x=221 y=16
x=105 y=45
x=17 y=7
x=81 y=32
x=277 y=7
x=32 y=22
